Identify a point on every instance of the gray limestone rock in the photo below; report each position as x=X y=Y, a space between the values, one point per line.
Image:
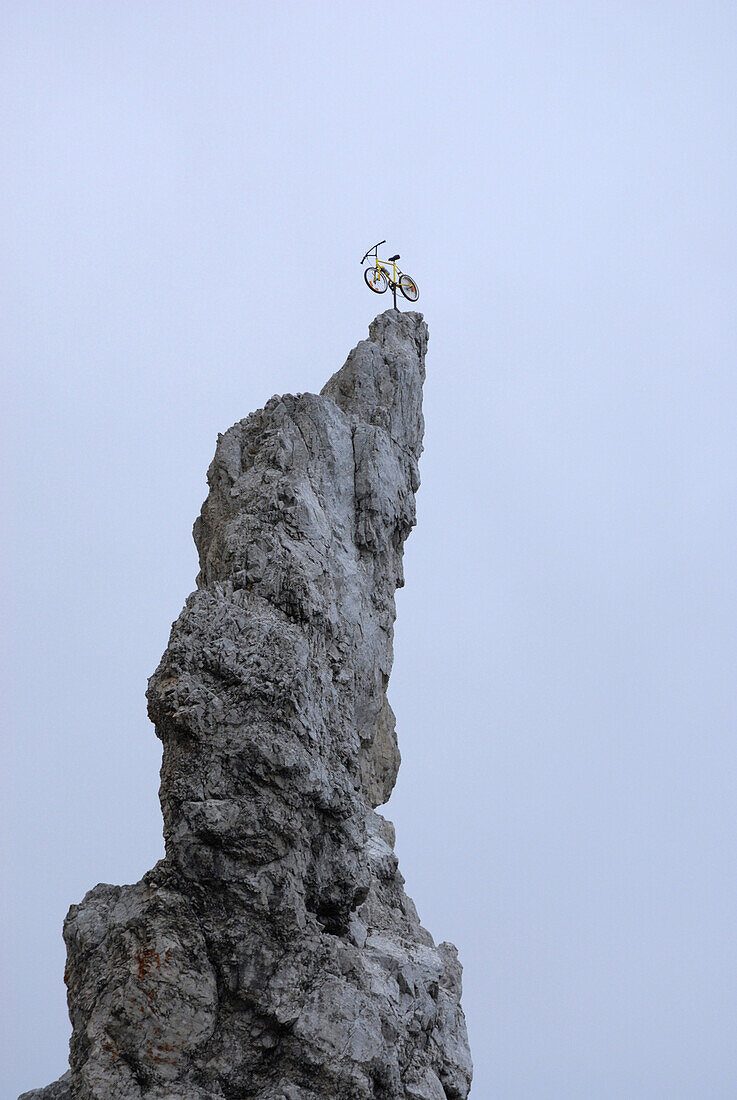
x=273 y=953
x=60 y=1090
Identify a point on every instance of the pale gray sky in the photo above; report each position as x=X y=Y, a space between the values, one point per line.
x=187 y=191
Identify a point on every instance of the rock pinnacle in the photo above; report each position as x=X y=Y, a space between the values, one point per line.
x=273 y=953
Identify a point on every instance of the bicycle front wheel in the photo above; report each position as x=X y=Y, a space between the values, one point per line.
x=409 y=289
x=376 y=279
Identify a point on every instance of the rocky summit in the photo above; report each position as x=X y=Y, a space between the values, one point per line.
x=273 y=953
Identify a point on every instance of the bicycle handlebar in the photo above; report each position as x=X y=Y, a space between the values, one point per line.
x=372 y=249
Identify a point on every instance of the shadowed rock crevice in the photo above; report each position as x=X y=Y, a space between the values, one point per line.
x=273 y=953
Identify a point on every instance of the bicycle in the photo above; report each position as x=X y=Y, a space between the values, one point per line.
x=379 y=278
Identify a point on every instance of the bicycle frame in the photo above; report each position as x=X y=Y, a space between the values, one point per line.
x=393 y=277
x=382 y=266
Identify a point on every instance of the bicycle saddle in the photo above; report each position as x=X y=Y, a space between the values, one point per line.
x=392 y=258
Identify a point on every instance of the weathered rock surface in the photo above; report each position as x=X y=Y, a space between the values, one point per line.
x=273 y=953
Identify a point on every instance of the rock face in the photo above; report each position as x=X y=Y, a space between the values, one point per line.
x=273 y=953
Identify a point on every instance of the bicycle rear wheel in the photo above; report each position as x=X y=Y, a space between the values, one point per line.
x=376 y=279
x=408 y=287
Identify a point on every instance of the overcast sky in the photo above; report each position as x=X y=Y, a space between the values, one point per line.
x=186 y=193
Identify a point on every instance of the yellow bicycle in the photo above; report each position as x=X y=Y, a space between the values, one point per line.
x=379 y=278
